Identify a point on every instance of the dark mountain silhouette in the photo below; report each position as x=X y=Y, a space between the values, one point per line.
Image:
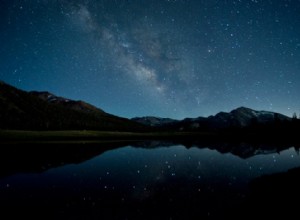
x=69 y=104
x=45 y=111
x=154 y=121
x=21 y=110
x=238 y=118
x=243 y=117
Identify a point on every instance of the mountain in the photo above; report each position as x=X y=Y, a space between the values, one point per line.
x=45 y=111
x=154 y=121
x=241 y=117
x=244 y=117
x=68 y=103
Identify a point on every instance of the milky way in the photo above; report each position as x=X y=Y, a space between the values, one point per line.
x=172 y=58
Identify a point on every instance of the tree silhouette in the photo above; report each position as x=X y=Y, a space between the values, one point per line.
x=294 y=116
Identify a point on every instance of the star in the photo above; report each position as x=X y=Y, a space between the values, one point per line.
x=170 y=58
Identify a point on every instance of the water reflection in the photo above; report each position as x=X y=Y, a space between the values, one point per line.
x=145 y=180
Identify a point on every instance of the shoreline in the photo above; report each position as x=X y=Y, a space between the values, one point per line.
x=8 y=136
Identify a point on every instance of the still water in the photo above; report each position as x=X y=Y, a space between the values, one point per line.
x=140 y=181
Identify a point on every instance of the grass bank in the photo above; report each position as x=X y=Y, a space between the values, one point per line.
x=17 y=135
x=100 y=136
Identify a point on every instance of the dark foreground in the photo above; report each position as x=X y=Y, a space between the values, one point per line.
x=148 y=180
x=236 y=136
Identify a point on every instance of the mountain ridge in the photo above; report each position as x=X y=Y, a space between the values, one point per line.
x=239 y=117
x=35 y=111
x=45 y=111
x=78 y=105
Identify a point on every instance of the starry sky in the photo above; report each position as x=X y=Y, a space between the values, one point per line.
x=167 y=58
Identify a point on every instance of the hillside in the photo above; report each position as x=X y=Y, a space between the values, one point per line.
x=34 y=111
x=239 y=118
x=21 y=110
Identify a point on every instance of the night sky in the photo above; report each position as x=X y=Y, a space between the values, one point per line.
x=167 y=58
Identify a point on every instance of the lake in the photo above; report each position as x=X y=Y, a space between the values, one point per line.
x=143 y=180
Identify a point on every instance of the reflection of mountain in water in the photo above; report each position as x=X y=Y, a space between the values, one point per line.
x=242 y=150
x=201 y=184
x=38 y=157
x=18 y=158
